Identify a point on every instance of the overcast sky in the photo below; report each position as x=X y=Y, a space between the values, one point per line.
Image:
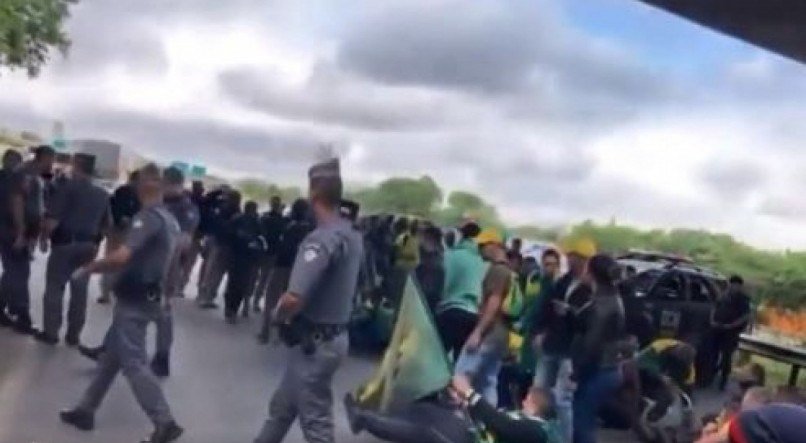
x=555 y=110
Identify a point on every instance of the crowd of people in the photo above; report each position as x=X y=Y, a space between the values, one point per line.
x=544 y=339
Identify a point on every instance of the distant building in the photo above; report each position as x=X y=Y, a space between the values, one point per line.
x=112 y=161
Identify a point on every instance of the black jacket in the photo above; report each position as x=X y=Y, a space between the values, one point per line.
x=124 y=204
x=599 y=331
x=272 y=225
x=244 y=237
x=559 y=329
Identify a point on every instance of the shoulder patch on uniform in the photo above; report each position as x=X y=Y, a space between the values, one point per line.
x=310 y=254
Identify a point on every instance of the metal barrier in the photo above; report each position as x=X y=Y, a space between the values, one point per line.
x=796 y=357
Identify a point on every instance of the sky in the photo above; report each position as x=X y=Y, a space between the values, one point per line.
x=556 y=111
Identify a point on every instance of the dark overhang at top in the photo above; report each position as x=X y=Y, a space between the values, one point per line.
x=777 y=25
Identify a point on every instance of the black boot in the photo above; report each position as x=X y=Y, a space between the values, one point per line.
x=43 y=337
x=5 y=320
x=161 y=365
x=93 y=354
x=353 y=414
x=23 y=325
x=165 y=433
x=81 y=419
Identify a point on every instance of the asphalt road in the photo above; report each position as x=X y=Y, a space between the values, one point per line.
x=219 y=390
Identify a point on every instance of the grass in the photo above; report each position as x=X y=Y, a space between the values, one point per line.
x=778 y=372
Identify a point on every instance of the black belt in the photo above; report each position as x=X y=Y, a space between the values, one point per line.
x=66 y=239
x=322 y=332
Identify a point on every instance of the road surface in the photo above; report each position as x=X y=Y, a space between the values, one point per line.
x=219 y=389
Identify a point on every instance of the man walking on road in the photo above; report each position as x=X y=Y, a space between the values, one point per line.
x=75 y=224
x=314 y=314
x=142 y=260
x=28 y=209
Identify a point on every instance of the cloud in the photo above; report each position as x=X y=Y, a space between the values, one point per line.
x=331 y=97
x=733 y=179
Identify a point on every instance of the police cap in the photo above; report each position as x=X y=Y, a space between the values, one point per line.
x=325 y=180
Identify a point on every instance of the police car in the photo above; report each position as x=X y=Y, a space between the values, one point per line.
x=671 y=297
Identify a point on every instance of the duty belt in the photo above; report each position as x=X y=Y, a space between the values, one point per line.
x=321 y=332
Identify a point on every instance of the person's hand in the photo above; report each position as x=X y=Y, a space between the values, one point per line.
x=561 y=308
x=537 y=343
x=473 y=342
x=80 y=273
x=461 y=384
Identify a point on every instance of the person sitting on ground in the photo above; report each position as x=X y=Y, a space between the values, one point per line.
x=743 y=379
x=436 y=420
x=763 y=423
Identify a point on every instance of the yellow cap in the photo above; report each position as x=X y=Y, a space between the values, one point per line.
x=582 y=246
x=490 y=236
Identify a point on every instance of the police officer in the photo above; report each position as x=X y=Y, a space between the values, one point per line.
x=186 y=213
x=16 y=253
x=142 y=260
x=314 y=313
x=10 y=223
x=76 y=219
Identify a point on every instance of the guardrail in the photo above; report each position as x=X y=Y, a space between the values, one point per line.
x=795 y=357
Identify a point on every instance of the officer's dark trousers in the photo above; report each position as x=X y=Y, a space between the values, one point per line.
x=14 y=282
x=165 y=331
x=725 y=344
x=125 y=351
x=241 y=277
x=419 y=423
x=62 y=262
x=305 y=393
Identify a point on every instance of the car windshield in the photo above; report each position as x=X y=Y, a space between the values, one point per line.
x=643 y=282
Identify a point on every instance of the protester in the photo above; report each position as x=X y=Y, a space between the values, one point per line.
x=405 y=260
x=554 y=321
x=595 y=348
x=430 y=271
x=517 y=377
x=458 y=310
x=438 y=421
x=484 y=351
x=729 y=319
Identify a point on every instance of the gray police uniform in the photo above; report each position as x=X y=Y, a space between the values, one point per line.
x=187 y=217
x=152 y=240
x=324 y=276
x=80 y=210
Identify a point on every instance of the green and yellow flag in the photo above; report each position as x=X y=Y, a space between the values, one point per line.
x=414 y=365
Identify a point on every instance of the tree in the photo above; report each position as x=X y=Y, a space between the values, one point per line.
x=402 y=196
x=29 y=29
x=463 y=204
x=261 y=191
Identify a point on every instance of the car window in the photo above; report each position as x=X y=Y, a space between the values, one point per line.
x=669 y=287
x=702 y=290
x=643 y=282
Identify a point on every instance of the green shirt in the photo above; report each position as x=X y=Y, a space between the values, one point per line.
x=464 y=273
